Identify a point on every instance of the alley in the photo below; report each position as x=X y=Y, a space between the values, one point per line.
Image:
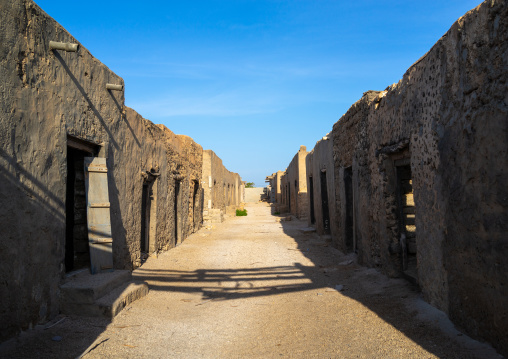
x=256 y=287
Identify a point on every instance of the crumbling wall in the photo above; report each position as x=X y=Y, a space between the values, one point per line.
x=45 y=95
x=294 y=185
x=448 y=118
x=223 y=189
x=350 y=143
x=153 y=149
x=319 y=163
x=253 y=194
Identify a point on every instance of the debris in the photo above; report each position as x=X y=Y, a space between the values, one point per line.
x=52 y=325
x=126 y=326
x=339 y=287
x=320 y=294
x=186 y=300
x=204 y=302
x=346 y=263
x=56 y=338
x=130 y=346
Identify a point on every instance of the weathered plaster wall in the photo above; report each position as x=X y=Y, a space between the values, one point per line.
x=294 y=185
x=154 y=148
x=319 y=162
x=350 y=141
x=44 y=95
x=223 y=188
x=448 y=115
x=253 y=194
x=47 y=95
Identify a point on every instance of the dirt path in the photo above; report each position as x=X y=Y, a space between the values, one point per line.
x=253 y=287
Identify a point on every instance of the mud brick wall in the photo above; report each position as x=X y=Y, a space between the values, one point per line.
x=295 y=178
x=448 y=115
x=221 y=187
x=320 y=162
x=44 y=96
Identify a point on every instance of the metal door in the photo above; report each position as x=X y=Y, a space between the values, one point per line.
x=98 y=215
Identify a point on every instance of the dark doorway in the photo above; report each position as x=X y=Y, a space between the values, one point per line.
x=77 y=250
x=324 y=201
x=147 y=198
x=177 y=217
x=194 y=203
x=348 y=187
x=289 y=198
x=311 y=189
x=406 y=215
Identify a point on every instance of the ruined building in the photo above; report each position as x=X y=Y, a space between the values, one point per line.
x=413 y=178
x=223 y=190
x=84 y=181
x=293 y=184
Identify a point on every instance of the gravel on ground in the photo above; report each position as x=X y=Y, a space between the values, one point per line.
x=258 y=287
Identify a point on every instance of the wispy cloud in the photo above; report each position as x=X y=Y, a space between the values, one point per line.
x=225 y=104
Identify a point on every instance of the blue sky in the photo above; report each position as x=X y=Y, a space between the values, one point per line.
x=254 y=80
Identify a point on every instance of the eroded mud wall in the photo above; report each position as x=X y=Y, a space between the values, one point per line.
x=46 y=95
x=51 y=99
x=446 y=121
x=222 y=187
x=294 y=185
x=320 y=166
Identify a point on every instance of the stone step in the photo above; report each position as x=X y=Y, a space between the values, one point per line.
x=87 y=288
x=110 y=304
x=307 y=230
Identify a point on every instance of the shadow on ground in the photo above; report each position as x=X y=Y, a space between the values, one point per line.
x=331 y=269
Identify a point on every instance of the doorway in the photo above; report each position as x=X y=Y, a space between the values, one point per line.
x=349 y=219
x=311 y=189
x=289 y=197
x=177 y=217
x=406 y=219
x=148 y=214
x=324 y=202
x=77 y=249
x=194 y=203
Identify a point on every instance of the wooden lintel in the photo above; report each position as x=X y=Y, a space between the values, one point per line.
x=97 y=169
x=99 y=205
x=101 y=240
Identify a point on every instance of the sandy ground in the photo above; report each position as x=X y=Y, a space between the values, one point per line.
x=254 y=287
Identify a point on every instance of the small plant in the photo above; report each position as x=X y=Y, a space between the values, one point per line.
x=241 y=212
x=277 y=212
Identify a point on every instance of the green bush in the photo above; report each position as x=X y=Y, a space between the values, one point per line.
x=241 y=212
x=276 y=212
